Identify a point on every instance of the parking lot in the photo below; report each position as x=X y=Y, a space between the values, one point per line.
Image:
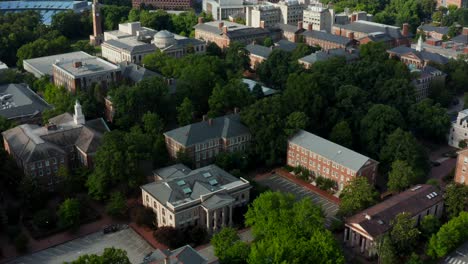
x=95 y=243
x=278 y=183
x=459 y=256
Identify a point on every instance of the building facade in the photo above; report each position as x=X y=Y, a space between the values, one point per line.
x=457 y=3
x=74 y=75
x=329 y=160
x=427 y=76
x=222 y=9
x=328 y=41
x=461 y=175
x=204 y=140
x=206 y=197
x=222 y=33
x=366 y=31
x=459 y=130
x=418 y=57
x=67 y=140
x=163 y=4
x=320 y=18
x=364 y=229
x=350 y=55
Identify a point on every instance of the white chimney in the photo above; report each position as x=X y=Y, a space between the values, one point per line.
x=78 y=117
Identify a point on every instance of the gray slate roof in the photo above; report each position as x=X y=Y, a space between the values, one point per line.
x=172 y=189
x=234 y=30
x=32 y=143
x=221 y=127
x=136 y=73
x=326 y=55
x=423 y=54
x=332 y=151
x=440 y=30
x=289 y=28
x=24 y=102
x=372 y=27
x=132 y=46
x=463 y=39
x=285 y=45
x=327 y=37
x=182 y=255
x=259 y=50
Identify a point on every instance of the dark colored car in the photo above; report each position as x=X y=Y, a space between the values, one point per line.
x=110 y=229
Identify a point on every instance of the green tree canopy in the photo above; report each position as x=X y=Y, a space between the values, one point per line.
x=404 y=234
x=69 y=213
x=226 y=97
x=450 y=236
x=401 y=176
x=429 y=120
x=185 y=112
x=229 y=248
x=429 y=225
x=341 y=134
x=287 y=230
x=456 y=199
x=110 y=255
x=357 y=195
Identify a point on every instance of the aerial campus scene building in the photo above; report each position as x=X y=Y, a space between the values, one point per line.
x=233 y=131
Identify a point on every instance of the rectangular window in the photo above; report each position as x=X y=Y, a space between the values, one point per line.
x=39 y=164
x=32 y=166
x=41 y=173
x=62 y=160
x=54 y=161
x=47 y=163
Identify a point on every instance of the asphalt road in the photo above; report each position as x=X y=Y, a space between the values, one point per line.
x=95 y=243
x=278 y=183
x=459 y=256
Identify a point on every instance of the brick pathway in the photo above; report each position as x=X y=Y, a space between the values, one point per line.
x=147 y=234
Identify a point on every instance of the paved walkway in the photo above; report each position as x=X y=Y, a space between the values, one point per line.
x=95 y=243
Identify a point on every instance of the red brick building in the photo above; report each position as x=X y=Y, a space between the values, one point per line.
x=328 y=41
x=458 y=3
x=204 y=140
x=366 y=31
x=461 y=174
x=163 y=4
x=327 y=159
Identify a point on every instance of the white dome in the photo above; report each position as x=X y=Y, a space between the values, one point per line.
x=164 y=39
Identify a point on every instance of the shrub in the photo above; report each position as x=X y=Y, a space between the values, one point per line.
x=325 y=183
x=13 y=231
x=288 y=168
x=69 y=213
x=433 y=182
x=44 y=219
x=337 y=226
x=198 y=235
x=144 y=216
x=449 y=177
x=429 y=225
x=169 y=236
x=117 y=205
x=21 y=243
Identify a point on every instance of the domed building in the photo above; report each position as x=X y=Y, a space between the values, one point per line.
x=164 y=39
x=131 y=43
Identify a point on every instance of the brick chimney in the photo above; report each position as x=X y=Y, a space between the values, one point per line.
x=225 y=30
x=353 y=17
x=221 y=25
x=262 y=24
x=299 y=25
x=405 y=29
x=310 y=27
x=200 y=20
x=77 y=64
x=351 y=35
x=465 y=31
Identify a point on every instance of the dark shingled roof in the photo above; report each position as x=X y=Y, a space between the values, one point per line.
x=289 y=28
x=31 y=142
x=221 y=127
x=285 y=45
x=463 y=39
x=423 y=55
x=326 y=55
x=327 y=37
x=259 y=50
x=440 y=30
x=412 y=201
x=24 y=102
x=182 y=255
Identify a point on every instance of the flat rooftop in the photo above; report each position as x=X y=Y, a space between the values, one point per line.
x=17 y=100
x=43 y=65
x=88 y=66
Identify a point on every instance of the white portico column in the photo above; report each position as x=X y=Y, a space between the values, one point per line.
x=346 y=232
x=208 y=221
x=223 y=224
x=230 y=215
x=215 y=218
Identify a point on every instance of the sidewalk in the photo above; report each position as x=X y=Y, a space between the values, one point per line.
x=147 y=234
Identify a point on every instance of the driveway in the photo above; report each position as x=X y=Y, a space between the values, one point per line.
x=94 y=243
x=278 y=183
x=459 y=256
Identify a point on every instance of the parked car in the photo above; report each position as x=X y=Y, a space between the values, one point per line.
x=435 y=163
x=110 y=229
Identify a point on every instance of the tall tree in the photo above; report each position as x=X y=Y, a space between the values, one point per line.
x=451 y=235
x=229 y=248
x=226 y=97
x=185 y=112
x=341 y=134
x=401 y=176
x=296 y=121
x=110 y=255
x=357 y=195
x=429 y=120
x=377 y=124
x=456 y=199
x=237 y=57
x=69 y=213
x=404 y=234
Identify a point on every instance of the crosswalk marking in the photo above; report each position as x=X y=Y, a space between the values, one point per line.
x=451 y=260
